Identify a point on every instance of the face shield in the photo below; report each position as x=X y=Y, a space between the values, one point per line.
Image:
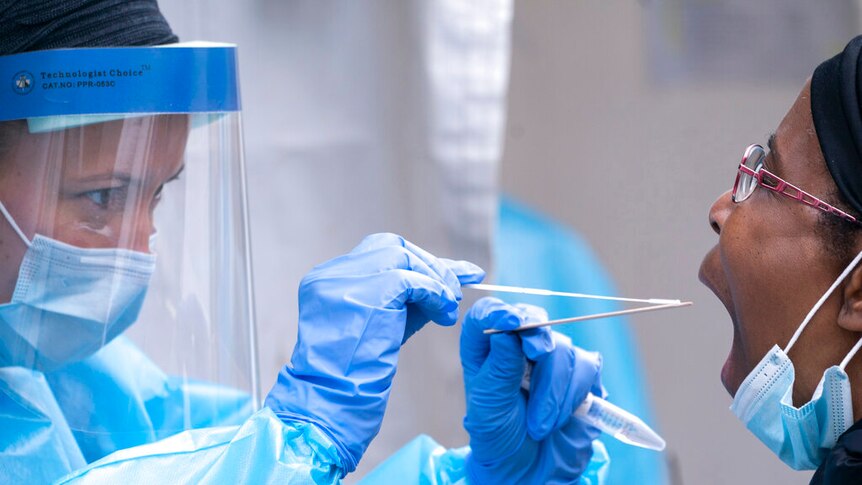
x=124 y=250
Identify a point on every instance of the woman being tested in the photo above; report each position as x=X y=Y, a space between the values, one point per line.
x=787 y=269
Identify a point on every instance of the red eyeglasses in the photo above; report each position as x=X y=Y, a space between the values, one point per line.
x=751 y=174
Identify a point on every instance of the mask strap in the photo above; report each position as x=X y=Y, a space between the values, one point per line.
x=822 y=299
x=851 y=354
x=14 y=225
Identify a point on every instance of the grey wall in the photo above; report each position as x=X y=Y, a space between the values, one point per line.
x=634 y=165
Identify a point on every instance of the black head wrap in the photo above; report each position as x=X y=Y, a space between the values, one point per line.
x=836 y=87
x=31 y=25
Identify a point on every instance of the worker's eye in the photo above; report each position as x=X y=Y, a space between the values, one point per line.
x=110 y=198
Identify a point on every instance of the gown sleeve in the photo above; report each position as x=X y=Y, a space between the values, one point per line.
x=262 y=450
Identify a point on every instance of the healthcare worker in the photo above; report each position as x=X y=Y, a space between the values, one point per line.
x=122 y=196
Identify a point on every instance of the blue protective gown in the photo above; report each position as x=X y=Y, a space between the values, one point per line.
x=120 y=397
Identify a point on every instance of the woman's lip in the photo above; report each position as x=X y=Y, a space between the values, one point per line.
x=703 y=274
x=707 y=277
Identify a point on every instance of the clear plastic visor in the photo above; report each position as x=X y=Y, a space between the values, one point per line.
x=125 y=272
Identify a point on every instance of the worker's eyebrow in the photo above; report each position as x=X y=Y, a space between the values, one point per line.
x=775 y=166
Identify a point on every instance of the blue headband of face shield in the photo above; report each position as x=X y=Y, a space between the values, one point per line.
x=59 y=89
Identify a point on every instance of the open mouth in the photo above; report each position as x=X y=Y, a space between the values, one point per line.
x=709 y=274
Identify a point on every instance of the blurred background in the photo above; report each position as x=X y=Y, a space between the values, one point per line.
x=572 y=143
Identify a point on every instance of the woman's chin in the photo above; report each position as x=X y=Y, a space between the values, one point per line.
x=726 y=376
x=730 y=377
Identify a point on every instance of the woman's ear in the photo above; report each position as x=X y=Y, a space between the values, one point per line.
x=850 y=316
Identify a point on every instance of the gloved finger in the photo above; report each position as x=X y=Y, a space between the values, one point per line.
x=558 y=384
x=438 y=266
x=594 y=360
x=504 y=367
x=416 y=259
x=433 y=298
x=369 y=261
x=531 y=313
x=345 y=307
x=467 y=272
x=599 y=389
x=536 y=342
x=486 y=313
x=495 y=390
x=551 y=390
x=378 y=260
x=416 y=320
x=569 y=451
x=397 y=261
x=378 y=241
x=382 y=240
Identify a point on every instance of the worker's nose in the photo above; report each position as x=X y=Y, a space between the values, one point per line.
x=143 y=231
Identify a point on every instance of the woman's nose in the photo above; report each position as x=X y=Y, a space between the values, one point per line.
x=719 y=211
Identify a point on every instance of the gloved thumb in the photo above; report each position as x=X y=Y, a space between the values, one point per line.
x=495 y=404
x=505 y=365
x=486 y=313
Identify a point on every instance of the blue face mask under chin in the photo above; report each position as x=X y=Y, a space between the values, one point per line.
x=69 y=302
x=800 y=436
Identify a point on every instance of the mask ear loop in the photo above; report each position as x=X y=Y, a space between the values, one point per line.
x=820 y=302
x=14 y=225
x=851 y=354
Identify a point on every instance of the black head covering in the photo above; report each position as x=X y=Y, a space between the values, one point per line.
x=836 y=87
x=30 y=25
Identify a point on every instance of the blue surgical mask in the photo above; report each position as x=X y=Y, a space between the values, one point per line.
x=800 y=436
x=69 y=302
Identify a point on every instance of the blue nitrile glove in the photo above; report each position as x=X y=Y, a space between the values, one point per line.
x=516 y=437
x=355 y=311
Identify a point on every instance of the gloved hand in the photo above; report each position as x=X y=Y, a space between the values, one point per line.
x=519 y=437
x=355 y=311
